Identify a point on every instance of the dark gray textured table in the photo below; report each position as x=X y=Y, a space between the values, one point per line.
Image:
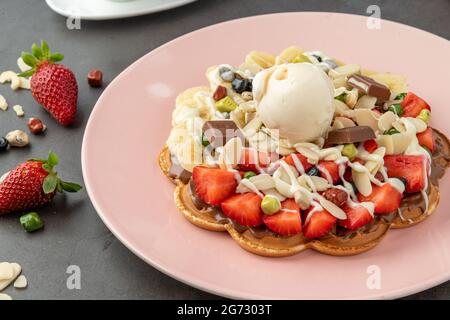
x=74 y=235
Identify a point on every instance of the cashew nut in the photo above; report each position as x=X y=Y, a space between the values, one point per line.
x=10 y=76
x=3 y=103
x=18 y=138
x=25 y=83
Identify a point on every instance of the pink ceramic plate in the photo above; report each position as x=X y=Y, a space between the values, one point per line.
x=131 y=122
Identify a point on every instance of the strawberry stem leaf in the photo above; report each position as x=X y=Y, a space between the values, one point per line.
x=52 y=159
x=29 y=59
x=70 y=186
x=56 y=57
x=27 y=73
x=45 y=49
x=50 y=183
x=36 y=51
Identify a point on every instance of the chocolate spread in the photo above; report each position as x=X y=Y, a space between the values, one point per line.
x=412 y=206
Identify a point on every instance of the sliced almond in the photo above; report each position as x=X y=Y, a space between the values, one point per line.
x=320 y=183
x=288 y=55
x=263 y=181
x=386 y=142
x=312 y=155
x=283 y=187
x=4 y=297
x=17 y=270
x=366 y=102
x=362 y=182
x=340 y=107
x=264 y=60
x=252 y=127
x=351 y=98
x=332 y=208
x=274 y=193
x=232 y=152
x=346 y=122
x=238 y=116
x=21 y=282
x=401 y=142
x=6 y=271
x=399 y=126
x=337 y=125
x=302 y=200
x=374 y=165
x=366 y=117
x=386 y=120
x=420 y=125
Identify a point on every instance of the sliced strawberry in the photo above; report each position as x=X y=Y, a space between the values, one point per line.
x=320 y=223
x=370 y=145
x=252 y=159
x=287 y=222
x=331 y=168
x=411 y=167
x=357 y=216
x=426 y=139
x=385 y=198
x=244 y=208
x=303 y=160
x=412 y=105
x=213 y=185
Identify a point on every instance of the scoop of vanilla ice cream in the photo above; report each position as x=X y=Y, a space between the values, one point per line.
x=296 y=99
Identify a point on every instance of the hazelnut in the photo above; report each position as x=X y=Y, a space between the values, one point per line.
x=95 y=78
x=36 y=126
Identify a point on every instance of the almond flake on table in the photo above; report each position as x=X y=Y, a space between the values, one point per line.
x=4 y=297
x=21 y=282
x=6 y=271
x=17 y=269
x=18 y=109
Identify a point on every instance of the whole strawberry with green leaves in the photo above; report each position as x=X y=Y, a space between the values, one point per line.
x=32 y=184
x=53 y=85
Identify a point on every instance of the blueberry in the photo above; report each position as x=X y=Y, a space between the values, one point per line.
x=313 y=171
x=249 y=85
x=226 y=74
x=3 y=144
x=319 y=58
x=331 y=63
x=239 y=85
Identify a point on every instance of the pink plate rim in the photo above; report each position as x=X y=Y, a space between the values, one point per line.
x=194 y=282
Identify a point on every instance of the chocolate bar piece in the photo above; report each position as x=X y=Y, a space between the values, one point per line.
x=219 y=132
x=177 y=172
x=370 y=87
x=349 y=135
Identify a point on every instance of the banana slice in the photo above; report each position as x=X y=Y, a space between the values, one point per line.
x=396 y=83
x=288 y=54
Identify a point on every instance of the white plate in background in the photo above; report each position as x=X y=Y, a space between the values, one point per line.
x=111 y=9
